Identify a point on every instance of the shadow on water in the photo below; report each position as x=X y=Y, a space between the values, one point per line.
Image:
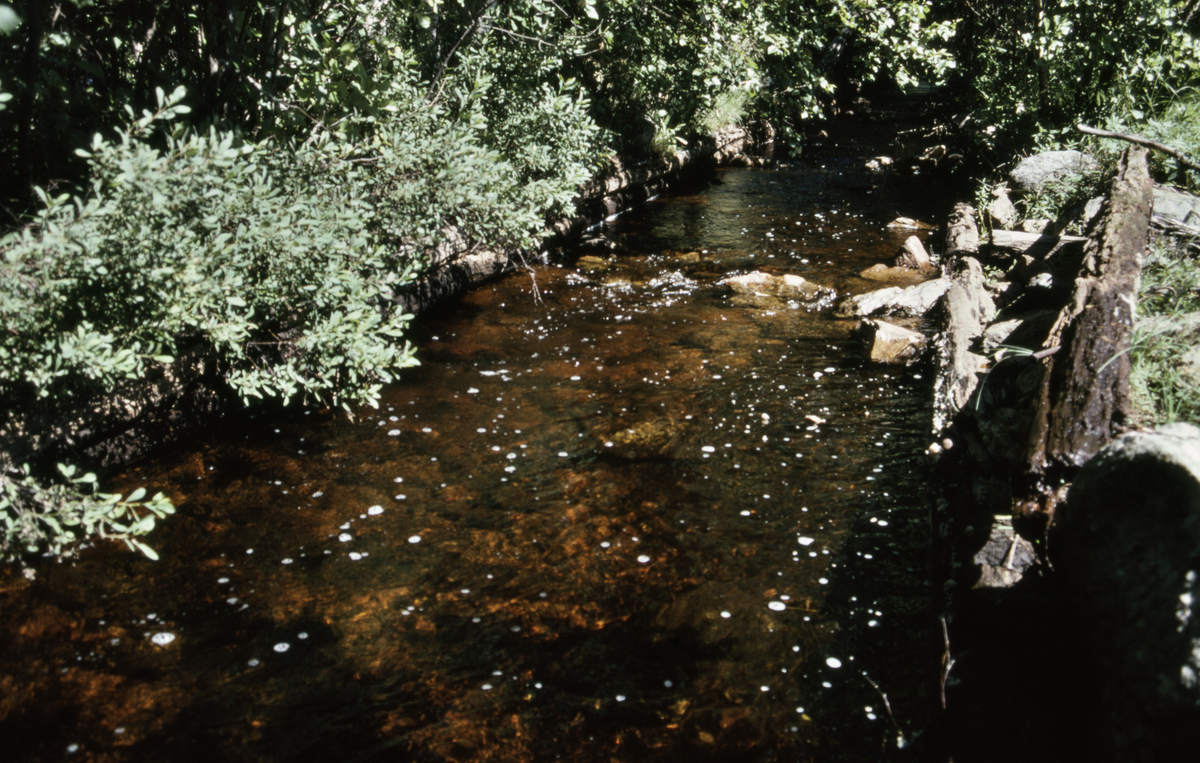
x=642 y=519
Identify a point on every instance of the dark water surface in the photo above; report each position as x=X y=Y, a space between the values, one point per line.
x=639 y=519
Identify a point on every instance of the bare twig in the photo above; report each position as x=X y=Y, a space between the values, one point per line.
x=947 y=660
x=886 y=706
x=1141 y=141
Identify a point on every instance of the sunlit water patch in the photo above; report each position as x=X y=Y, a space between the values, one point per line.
x=639 y=519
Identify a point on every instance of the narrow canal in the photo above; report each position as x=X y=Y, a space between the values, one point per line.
x=638 y=517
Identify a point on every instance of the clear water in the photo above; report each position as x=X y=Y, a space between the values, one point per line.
x=635 y=518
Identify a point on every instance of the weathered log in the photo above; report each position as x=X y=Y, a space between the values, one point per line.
x=1084 y=397
x=1033 y=243
x=962 y=234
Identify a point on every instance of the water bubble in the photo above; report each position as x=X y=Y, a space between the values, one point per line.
x=805 y=540
x=355 y=556
x=162 y=638
x=620 y=697
x=317 y=494
x=777 y=606
x=375 y=510
x=72 y=748
x=644 y=559
x=883 y=523
x=345 y=537
x=232 y=600
x=562 y=454
x=414 y=539
x=222 y=581
x=823 y=581
x=745 y=513
x=604 y=544
x=401 y=497
x=708 y=449
x=282 y=647
x=668 y=684
x=393 y=433
x=764 y=688
x=473 y=391
x=833 y=662
x=254 y=663
x=398 y=479
x=302 y=635
x=726 y=614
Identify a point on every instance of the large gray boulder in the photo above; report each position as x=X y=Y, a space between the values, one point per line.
x=1174 y=204
x=1127 y=544
x=1033 y=172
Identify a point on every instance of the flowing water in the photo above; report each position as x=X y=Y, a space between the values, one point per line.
x=634 y=517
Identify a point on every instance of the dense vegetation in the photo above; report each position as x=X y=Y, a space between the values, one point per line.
x=246 y=186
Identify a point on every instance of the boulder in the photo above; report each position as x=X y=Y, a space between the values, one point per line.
x=913 y=255
x=911 y=301
x=783 y=287
x=1001 y=211
x=1034 y=172
x=1176 y=205
x=890 y=343
x=1127 y=544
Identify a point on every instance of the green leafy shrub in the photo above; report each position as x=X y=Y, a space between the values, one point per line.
x=54 y=518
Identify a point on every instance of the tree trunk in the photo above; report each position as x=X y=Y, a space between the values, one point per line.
x=1084 y=397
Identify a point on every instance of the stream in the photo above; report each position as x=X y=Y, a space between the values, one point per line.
x=631 y=516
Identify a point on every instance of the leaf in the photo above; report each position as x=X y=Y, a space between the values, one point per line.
x=150 y=553
x=136 y=495
x=9 y=20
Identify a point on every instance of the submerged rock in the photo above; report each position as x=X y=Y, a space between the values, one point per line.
x=1128 y=545
x=784 y=287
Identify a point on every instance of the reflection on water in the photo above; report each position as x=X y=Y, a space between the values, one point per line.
x=639 y=519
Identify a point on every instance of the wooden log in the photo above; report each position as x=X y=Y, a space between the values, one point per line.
x=962 y=233
x=1084 y=396
x=1021 y=242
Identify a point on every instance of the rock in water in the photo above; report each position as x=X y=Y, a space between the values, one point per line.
x=783 y=287
x=1128 y=545
x=913 y=255
x=890 y=343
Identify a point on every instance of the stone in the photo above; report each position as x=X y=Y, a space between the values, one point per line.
x=1176 y=205
x=1001 y=211
x=1126 y=546
x=783 y=287
x=908 y=222
x=1034 y=172
x=913 y=255
x=895 y=275
x=1005 y=557
x=911 y=301
x=890 y=343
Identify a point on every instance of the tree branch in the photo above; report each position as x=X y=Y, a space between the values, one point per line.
x=1139 y=140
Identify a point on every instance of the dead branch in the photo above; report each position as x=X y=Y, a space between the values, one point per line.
x=1141 y=141
x=947 y=660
